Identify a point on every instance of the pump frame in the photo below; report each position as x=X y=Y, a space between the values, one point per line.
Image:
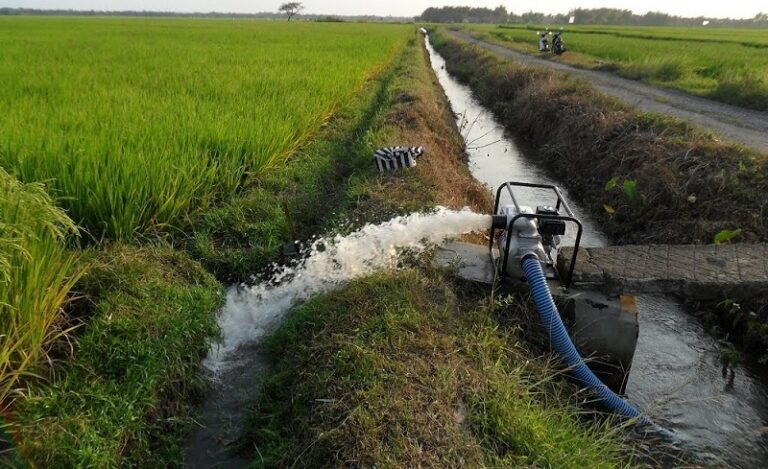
x=560 y=203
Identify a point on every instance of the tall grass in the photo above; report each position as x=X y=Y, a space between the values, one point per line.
x=141 y=124
x=36 y=274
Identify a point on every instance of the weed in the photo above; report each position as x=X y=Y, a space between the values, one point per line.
x=725 y=236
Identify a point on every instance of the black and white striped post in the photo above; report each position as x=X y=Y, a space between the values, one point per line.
x=392 y=158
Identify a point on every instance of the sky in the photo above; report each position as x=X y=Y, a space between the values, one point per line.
x=709 y=8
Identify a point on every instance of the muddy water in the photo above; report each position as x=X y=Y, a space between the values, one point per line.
x=676 y=377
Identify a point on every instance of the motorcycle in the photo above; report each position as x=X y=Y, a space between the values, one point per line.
x=558 y=47
x=543 y=44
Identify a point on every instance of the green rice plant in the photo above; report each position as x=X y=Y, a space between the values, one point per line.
x=140 y=125
x=36 y=275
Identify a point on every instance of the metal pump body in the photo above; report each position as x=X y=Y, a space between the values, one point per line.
x=524 y=239
x=527 y=232
x=602 y=326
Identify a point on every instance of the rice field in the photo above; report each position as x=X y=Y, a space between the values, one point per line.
x=729 y=65
x=137 y=125
x=119 y=129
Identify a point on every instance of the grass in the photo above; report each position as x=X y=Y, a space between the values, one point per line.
x=122 y=397
x=726 y=65
x=686 y=186
x=395 y=370
x=37 y=273
x=139 y=125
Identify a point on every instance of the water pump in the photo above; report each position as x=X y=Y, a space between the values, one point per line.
x=527 y=253
x=528 y=232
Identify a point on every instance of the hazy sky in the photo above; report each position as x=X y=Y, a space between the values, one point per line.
x=712 y=8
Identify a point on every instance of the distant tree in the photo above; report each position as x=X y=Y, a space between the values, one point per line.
x=291 y=9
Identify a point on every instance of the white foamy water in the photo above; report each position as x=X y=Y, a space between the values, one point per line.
x=253 y=311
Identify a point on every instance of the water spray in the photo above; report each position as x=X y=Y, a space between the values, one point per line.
x=253 y=311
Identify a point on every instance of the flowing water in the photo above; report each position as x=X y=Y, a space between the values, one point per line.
x=236 y=366
x=676 y=376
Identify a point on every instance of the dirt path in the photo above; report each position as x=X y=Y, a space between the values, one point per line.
x=745 y=126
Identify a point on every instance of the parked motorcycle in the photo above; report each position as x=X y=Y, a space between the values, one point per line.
x=558 y=47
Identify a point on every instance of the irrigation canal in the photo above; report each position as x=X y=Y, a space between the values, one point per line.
x=676 y=376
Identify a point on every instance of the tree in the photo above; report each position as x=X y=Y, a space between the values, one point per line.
x=291 y=9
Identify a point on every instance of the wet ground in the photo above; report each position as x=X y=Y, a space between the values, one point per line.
x=677 y=377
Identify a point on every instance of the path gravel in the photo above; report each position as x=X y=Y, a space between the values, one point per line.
x=744 y=126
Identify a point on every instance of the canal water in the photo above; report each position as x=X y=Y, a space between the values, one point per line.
x=676 y=377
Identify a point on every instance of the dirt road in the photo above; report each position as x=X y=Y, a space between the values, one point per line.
x=744 y=126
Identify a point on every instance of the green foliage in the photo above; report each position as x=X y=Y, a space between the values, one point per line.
x=629 y=187
x=36 y=274
x=142 y=124
x=612 y=183
x=726 y=236
x=120 y=400
x=729 y=356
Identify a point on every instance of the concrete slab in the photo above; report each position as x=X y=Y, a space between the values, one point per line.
x=701 y=272
x=473 y=261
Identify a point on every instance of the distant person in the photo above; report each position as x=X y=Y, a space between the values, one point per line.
x=543 y=45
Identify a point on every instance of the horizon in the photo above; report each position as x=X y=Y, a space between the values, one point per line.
x=738 y=9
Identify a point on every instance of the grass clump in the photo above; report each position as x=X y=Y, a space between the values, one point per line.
x=119 y=400
x=394 y=370
x=36 y=275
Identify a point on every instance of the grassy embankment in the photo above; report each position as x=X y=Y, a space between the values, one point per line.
x=728 y=65
x=651 y=179
x=401 y=368
x=139 y=157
